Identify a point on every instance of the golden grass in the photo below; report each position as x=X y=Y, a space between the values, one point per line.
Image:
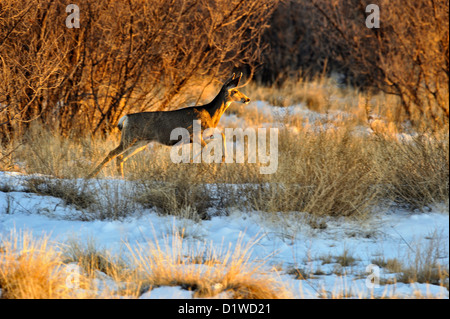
x=315 y=93
x=329 y=171
x=32 y=269
x=207 y=270
x=326 y=172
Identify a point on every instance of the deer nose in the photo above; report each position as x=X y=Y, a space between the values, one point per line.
x=246 y=100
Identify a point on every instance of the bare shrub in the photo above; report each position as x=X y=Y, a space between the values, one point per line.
x=408 y=56
x=181 y=198
x=114 y=200
x=67 y=190
x=413 y=173
x=326 y=173
x=126 y=56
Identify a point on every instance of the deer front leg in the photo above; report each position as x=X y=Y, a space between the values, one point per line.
x=224 y=148
x=121 y=159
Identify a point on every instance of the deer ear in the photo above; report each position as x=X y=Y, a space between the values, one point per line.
x=239 y=78
x=233 y=81
x=228 y=82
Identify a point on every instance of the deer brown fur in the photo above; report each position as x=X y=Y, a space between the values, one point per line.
x=139 y=129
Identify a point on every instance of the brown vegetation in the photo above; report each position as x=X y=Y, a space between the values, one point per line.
x=147 y=55
x=333 y=172
x=126 y=56
x=62 y=90
x=33 y=268
x=408 y=56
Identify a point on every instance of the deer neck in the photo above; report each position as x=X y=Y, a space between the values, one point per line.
x=217 y=107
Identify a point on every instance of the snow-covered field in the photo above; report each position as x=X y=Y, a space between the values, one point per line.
x=285 y=243
x=343 y=258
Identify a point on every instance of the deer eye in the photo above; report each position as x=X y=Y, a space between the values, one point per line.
x=233 y=92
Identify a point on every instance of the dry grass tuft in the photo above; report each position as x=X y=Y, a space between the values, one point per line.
x=32 y=269
x=90 y=258
x=423 y=262
x=230 y=272
x=328 y=172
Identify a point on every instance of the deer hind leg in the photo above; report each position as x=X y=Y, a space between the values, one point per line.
x=127 y=154
x=115 y=152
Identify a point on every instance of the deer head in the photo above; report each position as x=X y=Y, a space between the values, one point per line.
x=233 y=95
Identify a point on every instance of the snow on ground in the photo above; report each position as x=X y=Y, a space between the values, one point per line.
x=285 y=243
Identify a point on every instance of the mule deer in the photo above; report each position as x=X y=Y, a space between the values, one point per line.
x=139 y=129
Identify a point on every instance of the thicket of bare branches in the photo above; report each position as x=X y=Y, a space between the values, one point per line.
x=127 y=55
x=407 y=56
x=139 y=55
